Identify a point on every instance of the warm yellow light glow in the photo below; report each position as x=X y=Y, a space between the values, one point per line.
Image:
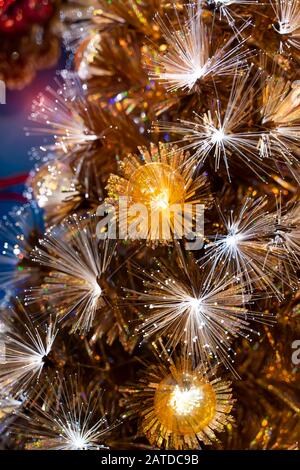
x=156 y=184
x=185 y=401
x=161 y=201
x=185 y=406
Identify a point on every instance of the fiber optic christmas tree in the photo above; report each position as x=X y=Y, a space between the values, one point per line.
x=142 y=343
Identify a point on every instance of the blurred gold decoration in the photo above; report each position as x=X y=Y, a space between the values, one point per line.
x=54 y=188
x=60 y=189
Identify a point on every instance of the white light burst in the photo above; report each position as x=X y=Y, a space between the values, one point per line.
x=223 y=136
x=54 y=185
x=203 y=315
x=287 y=21
x=225 y=8
x=76 y=260
x=248 y=250
x=285 y=242
x=280 y=116
x=65 y=114
x=71 y=423
x=189 y=55
x=26 y=347
x=184 y=401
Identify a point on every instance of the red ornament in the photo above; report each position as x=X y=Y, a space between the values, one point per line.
x=17 y=17
x=13 y=21
x=5 y=4
x=37 y=11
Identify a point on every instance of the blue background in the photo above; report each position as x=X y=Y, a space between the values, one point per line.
x=14 y=145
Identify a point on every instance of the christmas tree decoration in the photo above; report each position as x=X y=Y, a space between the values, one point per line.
x=183 y=306
x=60 y=188
x=178 y=406
x=157 y=257
x=68 y=120
x=288 y=22
x=221 y=135
x=85 y=133
x=118 y=30
x=272 y=374
x=230 y=9
x=76 y=261
x=73 y=426
x=8 y=406
x=188 y=59
x=284 y=243
x=280 y=116
x=26 y=348
x=54 y=185
x=257 y=247
x=159 y=179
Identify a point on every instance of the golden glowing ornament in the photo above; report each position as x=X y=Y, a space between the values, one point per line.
x=164 y=182
x=185 y=408
x=157 y=184
x=180 y=406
